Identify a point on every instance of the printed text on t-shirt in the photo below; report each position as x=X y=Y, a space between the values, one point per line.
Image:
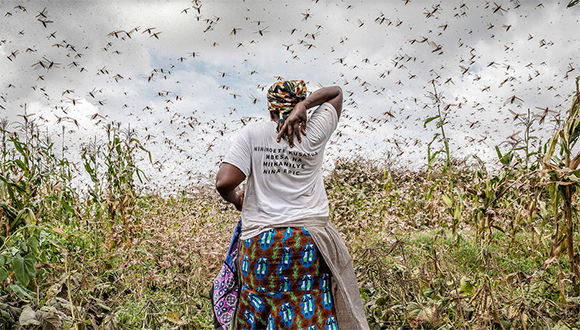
x=282 y=160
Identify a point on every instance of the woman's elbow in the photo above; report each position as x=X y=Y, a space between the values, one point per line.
x=228 y=177
x=220 y=184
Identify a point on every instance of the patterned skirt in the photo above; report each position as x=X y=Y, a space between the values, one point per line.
x=285 y=283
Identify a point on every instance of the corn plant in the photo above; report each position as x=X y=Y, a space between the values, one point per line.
x=452 y=197
x=486 y=192
x=113 y=187
x=25 y=172
x=526 y=154
x=561 y=176
x=35 y=195
x=437 y=100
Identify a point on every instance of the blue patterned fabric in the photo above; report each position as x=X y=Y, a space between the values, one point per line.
x=285 y=283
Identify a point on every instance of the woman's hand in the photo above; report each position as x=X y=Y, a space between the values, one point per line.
x=294 y=124
x=296 y=121
x=240 y=198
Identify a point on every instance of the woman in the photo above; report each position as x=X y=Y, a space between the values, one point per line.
x=294 y=267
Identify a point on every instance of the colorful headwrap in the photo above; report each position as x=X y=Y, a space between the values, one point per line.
x=283 y=96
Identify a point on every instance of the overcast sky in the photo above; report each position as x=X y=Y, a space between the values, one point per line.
x=187 y=75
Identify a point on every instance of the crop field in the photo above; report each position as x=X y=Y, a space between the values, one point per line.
x=452 y=175
x=451 y=246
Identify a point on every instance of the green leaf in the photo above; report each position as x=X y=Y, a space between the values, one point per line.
x=23 y=246
x=466 y=285
x=430 y=193
x=21 y=165
x=27 y=215
x=21 y=292
x=458 y=209
x=3 y=274
x=5 y=314
x=88 y=168
x=33 y=243
x=447 y=200
x=551 y=148
x=2 y=260
x=499 y=156
x=433 y=157
x=573 y=178
x=67 y=207
x=18 y=147
x=381 y=301
x=504 y=159
x=24 y=268
x=428 y=120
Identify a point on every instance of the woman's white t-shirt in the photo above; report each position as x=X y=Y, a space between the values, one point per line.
x=283 y=184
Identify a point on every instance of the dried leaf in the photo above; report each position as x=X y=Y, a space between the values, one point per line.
x=49 y=320
x=175 y=317
x=60 y=232
x=28 y=317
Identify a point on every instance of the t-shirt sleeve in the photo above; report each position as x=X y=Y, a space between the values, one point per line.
x=322 y=123
x=239 y=153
